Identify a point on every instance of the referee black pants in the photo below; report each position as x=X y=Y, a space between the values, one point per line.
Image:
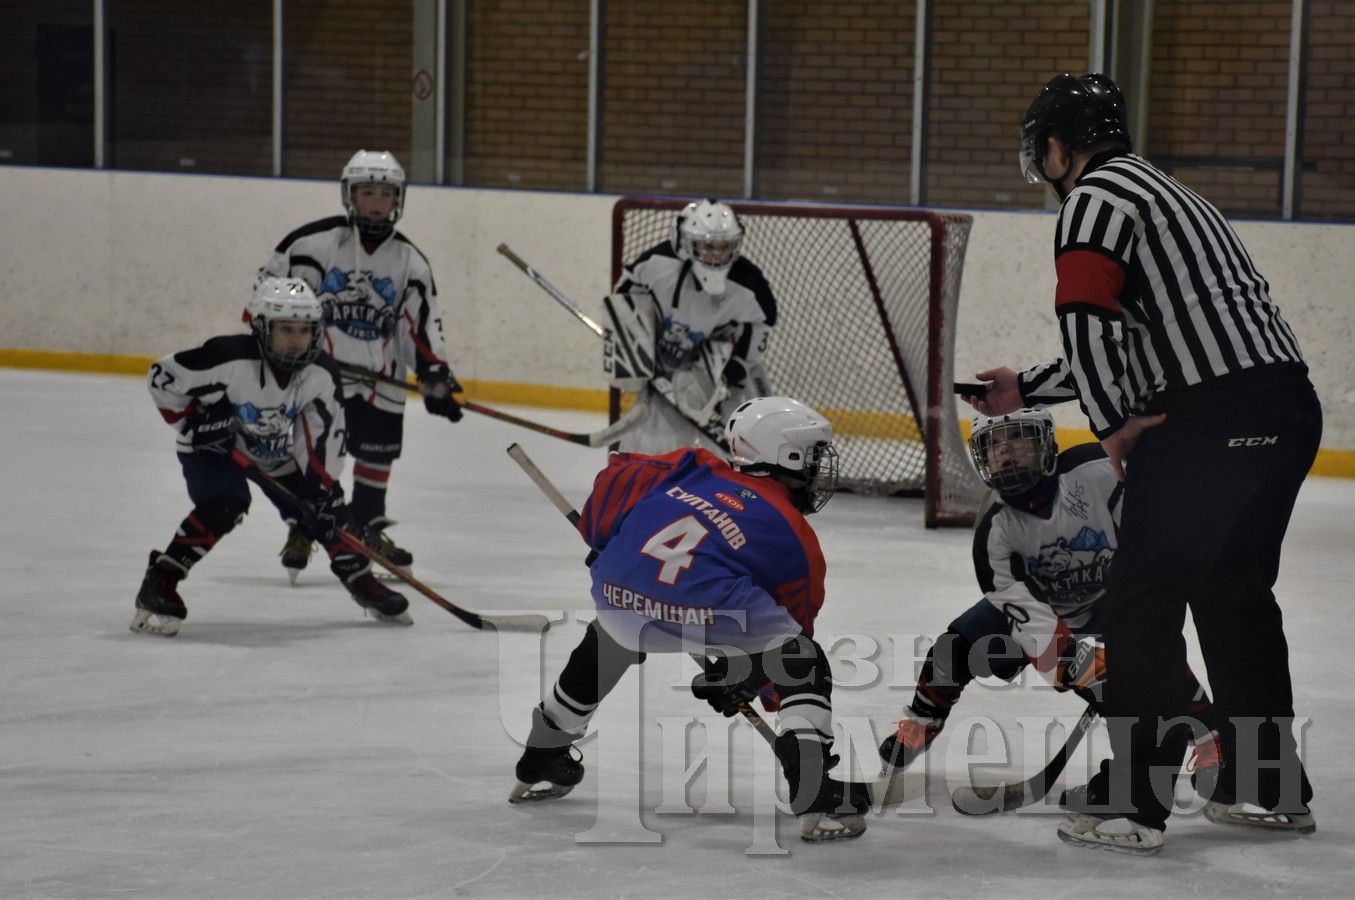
x=1208 y=497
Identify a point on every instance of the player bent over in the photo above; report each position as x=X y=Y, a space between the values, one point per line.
x=1041 y=555
x=695 y=554
x=274 y=398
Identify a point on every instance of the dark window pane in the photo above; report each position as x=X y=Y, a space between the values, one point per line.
x=835 y=100
x=47 y=83
x=1216 y=113
x=1326 y=186
x=673 y=98
x=526 y=115
x=191 y=85
x=347 y=83
x=989 y=60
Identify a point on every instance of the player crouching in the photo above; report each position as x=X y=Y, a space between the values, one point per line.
x=698 y=555
x=270 y=400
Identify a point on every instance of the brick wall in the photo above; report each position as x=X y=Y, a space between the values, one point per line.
x=527 y=94
x=673 y=101
x=989 y=60
x=1326 y=188
x=1216 y=109
x=835 y=98
x=347 y=82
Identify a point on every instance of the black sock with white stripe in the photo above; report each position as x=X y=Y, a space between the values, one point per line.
x=594 y=668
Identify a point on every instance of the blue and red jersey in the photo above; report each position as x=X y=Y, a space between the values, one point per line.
x=689 y=546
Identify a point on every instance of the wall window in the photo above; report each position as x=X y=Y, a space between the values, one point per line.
x=47 y=83
x=1326 y=157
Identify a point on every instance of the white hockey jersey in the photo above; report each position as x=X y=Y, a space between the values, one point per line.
x=381 y=308
x=281 y=429
x=1046 y=575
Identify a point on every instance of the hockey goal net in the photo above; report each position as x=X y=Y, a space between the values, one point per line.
x=866 y=312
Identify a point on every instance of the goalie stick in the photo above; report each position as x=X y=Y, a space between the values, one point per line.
x=525 y=622
x=705 y=440
x=983 y=800
x=893 y=790
x=588 y=439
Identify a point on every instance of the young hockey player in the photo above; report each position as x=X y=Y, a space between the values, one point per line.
x=698 y=555
x=382 y=314
x=690 y=319
x=273 y=398
x=1041 y=554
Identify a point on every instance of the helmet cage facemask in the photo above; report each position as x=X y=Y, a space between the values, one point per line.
x=287 y=362
x=373 y=229
x=812 y=485
x=1032 y=454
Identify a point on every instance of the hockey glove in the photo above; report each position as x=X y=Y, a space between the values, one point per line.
x=437 y=385
x=1085 y=671
x=213 y=428
x=712 y=687
x=325 y=514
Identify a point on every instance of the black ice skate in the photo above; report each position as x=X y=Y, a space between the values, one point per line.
x=375 y=537
x=159 y=608
x=829 y=810
x=548 y=760
x=296 y=553
x=381 y=603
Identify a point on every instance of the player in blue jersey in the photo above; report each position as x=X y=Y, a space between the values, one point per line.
x=701 y=556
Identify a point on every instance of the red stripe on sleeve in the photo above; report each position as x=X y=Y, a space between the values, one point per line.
x=1086 y=276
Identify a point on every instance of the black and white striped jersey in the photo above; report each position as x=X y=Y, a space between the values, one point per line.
x=1155 y=293
x=281 y=428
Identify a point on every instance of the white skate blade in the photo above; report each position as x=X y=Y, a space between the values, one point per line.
x=293 y=575
x=147 y=622
x=1248 y=815
x=820 y=828
x=526 y=793
x=402 y=619
x=1116 y=835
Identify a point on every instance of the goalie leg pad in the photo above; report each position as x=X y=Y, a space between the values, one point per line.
x=628 y=344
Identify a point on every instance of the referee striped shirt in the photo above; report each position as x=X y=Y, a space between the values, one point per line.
x=1155 y=293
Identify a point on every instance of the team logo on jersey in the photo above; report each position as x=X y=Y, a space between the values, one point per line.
x=678 y=343
x=359 y=305
x=732 y=502
x=746 y=494
x=1073 y=572
x=267 y=429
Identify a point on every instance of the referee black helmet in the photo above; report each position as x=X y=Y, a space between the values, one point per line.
x=1080 y=110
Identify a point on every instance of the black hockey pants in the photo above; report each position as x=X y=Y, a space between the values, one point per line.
x=1208 y=497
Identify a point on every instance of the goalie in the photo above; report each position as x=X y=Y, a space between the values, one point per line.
x=690 y=320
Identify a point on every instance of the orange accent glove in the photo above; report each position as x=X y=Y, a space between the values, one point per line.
x=1085 y=670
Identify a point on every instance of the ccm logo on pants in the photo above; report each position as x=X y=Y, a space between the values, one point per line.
x=1254 y=441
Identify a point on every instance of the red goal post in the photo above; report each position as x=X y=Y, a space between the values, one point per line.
x=866 y=299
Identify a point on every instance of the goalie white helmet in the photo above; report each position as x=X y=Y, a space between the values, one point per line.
x=286 y=300
x=1014 y=452
x=783 y=438
x=709 y=234
x=373 y=167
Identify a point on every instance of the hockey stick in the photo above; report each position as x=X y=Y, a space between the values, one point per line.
x=551 y=289
x=528 y=622
x=705 y=440
x=983 y=800
x=589 y=439
x=891 y=791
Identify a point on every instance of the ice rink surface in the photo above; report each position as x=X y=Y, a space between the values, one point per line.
x=284 y=746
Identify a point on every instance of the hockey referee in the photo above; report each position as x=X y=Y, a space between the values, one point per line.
x=1196 y=387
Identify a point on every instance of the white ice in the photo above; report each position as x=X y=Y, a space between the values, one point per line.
x=284 y=746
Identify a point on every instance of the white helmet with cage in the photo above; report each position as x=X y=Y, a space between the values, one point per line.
x=783 y=438
x=709 y=234
x=279 y=300
x=1014 y=452
x=373 y=167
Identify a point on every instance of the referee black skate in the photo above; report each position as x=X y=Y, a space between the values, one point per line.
x=1196 y=387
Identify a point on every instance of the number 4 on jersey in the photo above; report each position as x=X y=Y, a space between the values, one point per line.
x=673 y=546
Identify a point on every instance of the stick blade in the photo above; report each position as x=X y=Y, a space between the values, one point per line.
x=986 y=800
x=527 y=622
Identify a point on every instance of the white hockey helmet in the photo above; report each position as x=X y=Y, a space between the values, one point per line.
x=1014 y=452
x=285 y=300
x=784 y=438
x=373 y=167
x=709 y=234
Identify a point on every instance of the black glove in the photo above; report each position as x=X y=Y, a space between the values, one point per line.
x=325 y=514
x=437 y=385
x=713 y=687
x=213 y=428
